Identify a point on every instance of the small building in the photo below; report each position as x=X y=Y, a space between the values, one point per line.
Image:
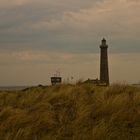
x=56 y=80
x=92 y=81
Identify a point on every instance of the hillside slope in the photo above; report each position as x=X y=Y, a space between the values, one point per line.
x=66 y=112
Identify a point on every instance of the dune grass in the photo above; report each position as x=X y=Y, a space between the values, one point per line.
x=71 y=112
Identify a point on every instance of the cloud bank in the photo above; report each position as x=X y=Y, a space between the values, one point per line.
x=71 y=25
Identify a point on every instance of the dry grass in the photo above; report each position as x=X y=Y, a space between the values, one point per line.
x=66 y=112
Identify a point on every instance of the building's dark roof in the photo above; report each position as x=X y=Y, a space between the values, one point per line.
x=94 y=81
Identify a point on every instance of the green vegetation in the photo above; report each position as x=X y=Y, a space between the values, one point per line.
x=71 y=112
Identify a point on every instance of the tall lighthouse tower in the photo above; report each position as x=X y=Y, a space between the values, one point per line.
x=104 y=72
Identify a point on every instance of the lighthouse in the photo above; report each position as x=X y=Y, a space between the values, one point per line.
x=104 y=71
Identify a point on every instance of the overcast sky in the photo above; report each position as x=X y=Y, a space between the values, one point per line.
x=39 y=37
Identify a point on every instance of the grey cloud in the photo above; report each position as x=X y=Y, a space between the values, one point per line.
x=75 y=25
